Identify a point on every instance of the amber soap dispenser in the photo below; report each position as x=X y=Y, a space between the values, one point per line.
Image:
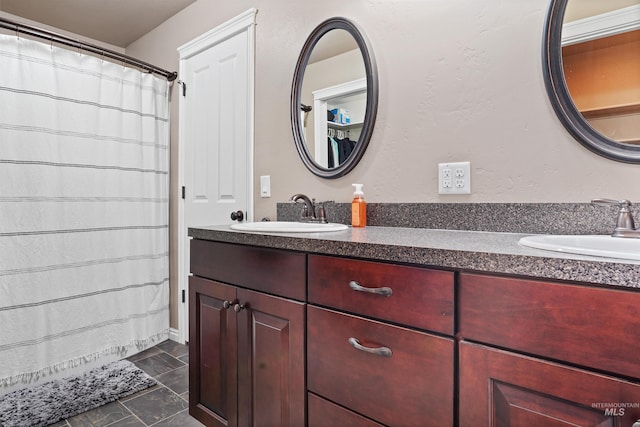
x=358 y=208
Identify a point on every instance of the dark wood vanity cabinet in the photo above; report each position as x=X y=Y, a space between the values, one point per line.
x=282 y=338
x=371 y=356
x=246 y=348
x=549 y=354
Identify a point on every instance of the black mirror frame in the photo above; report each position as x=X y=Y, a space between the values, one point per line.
x=372 y=97
x=561 y=99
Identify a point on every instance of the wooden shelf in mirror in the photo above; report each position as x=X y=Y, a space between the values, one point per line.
x=603 y=77
x=619 y=122
x=617 y=110
x=604 y=72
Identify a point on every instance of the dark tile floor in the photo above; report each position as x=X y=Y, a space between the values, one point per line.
x=165 y=404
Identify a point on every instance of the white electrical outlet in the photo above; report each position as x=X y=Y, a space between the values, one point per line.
x=454 y=178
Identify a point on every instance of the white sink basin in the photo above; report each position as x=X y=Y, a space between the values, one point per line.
x=602 y=246
x=287 y=227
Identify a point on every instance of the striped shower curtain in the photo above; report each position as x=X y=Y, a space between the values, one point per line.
x=83 y=212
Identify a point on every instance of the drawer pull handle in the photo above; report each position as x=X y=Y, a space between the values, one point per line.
x=384 y=291
x=380 y=351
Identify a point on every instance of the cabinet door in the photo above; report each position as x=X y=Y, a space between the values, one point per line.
x=499 y=388
x=271 y=389
x=213 y=353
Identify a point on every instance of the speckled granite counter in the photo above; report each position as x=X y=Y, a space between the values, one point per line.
x=450 y=249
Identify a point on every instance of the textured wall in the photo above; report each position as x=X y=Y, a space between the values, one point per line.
x=458 y=81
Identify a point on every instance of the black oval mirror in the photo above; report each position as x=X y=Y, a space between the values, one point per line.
x=334 y=98
x=611 y=128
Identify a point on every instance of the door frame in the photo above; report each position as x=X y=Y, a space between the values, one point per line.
x=244 y=22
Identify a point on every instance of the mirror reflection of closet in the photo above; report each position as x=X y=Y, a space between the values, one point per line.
x=335 y=87
x=336 y=70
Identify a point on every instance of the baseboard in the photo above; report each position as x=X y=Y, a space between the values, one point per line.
x=174 y=335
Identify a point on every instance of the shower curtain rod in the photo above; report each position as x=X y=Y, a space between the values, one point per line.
x=53 y=37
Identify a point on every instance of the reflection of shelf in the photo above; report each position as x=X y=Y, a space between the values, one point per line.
x=602 y=75
x=630 y=141
x=617 y=110
x=344 y=125
x=620 y=123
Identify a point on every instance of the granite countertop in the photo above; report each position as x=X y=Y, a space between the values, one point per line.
x=480 y=251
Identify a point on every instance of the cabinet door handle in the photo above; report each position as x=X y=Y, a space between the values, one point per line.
x=238 y=307
x=383 y=291
x=227 y=304
x=380 y=351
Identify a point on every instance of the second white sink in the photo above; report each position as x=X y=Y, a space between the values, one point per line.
x=603 y=246
x=287 y=227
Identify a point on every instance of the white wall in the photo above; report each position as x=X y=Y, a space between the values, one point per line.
x=459 y=80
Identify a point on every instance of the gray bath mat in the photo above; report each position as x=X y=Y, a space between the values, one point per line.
x=60 y=399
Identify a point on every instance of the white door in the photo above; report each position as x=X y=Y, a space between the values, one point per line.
x=216 y=135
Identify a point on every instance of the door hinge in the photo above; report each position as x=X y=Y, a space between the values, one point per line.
x=184 y=191
x=184 y=295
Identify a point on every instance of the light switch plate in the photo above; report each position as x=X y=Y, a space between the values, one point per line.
x=454 y=178
x=265 y=186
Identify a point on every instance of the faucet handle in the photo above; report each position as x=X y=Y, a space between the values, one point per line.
x=625 y=217
x=606 y=202
x=322 y=212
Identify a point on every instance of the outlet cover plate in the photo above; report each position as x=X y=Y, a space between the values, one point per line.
x=454 y=178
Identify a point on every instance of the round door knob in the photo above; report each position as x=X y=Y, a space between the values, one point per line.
x=227 y=304
x=238 y=308
x=237 y=215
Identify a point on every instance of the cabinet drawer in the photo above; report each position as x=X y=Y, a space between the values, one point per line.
x=269 y=270
x=411 y=387
x=419 y=297
x=323 y=413
x=583 y=325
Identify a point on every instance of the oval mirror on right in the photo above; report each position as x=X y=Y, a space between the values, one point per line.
x=591 y=59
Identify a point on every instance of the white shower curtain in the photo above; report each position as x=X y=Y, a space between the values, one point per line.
x=83 y=211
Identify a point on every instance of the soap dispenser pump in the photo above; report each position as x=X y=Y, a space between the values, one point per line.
x=358 y=208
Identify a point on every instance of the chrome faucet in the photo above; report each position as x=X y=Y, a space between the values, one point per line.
x=625 y=225
x=308 y=213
